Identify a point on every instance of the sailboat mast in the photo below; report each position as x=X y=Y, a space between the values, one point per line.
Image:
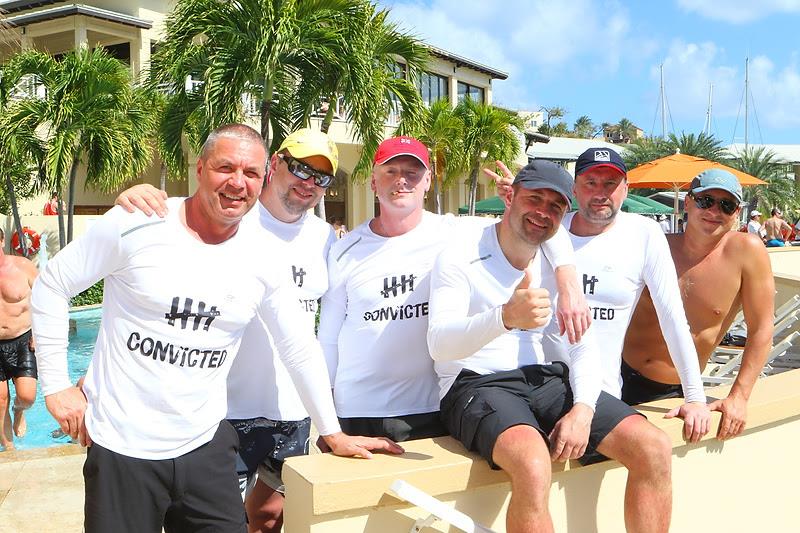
x=746 y=97
x=663 y=105
x=707 y=129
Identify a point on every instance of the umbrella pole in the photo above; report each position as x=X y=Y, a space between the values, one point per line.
x=676 y=208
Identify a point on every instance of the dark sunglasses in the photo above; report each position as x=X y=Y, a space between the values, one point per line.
x=705 y=201
x=304 y=172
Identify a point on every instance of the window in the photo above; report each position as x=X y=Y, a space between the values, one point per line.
x=466 y=90
x=432 y=88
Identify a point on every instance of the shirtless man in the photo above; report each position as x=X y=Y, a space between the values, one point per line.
x=17 y=361
x=718 y=271
x=776 y=229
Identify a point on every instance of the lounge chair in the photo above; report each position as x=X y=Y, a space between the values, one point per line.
x=726 y=373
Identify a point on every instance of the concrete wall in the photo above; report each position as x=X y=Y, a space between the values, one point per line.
x=746 y=484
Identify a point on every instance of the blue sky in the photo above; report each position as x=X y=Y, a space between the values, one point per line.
x=601 y=58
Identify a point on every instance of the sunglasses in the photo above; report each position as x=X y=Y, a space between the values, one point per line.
x=304 y=172
x=705 y=201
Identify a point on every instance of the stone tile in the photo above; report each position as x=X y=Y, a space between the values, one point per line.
x=8 y=475
x=36 y=510
x=51 y=473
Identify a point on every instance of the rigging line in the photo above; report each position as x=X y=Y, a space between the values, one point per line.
x=738 y=113
x=655 y=116
x=669 y=113
x=755 y=115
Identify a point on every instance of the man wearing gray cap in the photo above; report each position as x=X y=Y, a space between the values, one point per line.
x=511 y=388
x=719 y=272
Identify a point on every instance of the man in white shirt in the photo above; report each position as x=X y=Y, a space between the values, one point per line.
x=511 y=388
x=618 y=255
x=154 y=398
x=754 y=226
x=375 y=314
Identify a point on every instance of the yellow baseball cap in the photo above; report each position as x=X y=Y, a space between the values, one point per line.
x=306 y=142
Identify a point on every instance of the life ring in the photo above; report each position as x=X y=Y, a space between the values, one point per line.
x=32 y=241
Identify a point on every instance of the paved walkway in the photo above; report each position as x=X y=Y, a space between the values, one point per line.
x=42 y=490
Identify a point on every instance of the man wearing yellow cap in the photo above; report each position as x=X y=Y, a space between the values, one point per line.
x=263 y=404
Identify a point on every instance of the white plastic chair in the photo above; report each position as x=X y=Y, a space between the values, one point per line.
x=726 y=373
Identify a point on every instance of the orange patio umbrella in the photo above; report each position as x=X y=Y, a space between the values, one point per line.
x=676 y=171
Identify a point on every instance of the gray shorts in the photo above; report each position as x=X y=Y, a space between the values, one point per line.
x=478 y=408
x=264 y=444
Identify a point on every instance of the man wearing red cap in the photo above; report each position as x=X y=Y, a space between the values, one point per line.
x=375 y=313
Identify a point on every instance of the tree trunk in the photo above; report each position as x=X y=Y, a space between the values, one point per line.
x=437 y=190
x=62 y=241
x=326 y=122
x=473 y=189
x=266 y=105
x=162 y=184
x=73 y=174
x=12 y=199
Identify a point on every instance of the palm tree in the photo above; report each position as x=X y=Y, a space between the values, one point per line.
x=780 y=190
x=584 y=127
x=259 y=49
x=490 y=134
x=442 y=131
x=651 y=148
x=376 y=75
x=91 y=114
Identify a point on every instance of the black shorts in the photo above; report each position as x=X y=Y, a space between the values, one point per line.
x=196 y=491
x=478 y=408
x=638 y=389
x=264 y=445
x=17 y=360
x=397 y=428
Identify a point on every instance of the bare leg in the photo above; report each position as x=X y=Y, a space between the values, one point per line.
x=646 y=452
x=264 y=508
x=523 y=454
x=25 y=395
x=6 y=437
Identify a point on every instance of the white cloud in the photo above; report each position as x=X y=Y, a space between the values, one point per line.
x=690 y=67
x=739 y=11
x=529 y=39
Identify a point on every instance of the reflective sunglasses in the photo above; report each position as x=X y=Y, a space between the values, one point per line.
x=705 y=201
x=304 y=172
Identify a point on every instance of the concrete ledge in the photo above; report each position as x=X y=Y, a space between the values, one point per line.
x=328 y=493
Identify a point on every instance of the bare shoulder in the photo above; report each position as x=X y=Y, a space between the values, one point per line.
x=25 y=265
x=745 y=248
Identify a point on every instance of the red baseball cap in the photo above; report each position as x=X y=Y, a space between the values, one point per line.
x=397 y=146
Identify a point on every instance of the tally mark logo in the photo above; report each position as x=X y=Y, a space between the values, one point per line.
x=390 y=285
x=298 y=275
x=602 y=155
x=187 y=313
x=590 y=283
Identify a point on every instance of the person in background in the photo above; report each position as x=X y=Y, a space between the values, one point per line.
x=776 y=230
x=17 y=360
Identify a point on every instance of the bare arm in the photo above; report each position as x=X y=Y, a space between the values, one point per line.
x=145 y=198
x=758 y=303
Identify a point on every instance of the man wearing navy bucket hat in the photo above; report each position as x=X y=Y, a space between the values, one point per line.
x=719 y=272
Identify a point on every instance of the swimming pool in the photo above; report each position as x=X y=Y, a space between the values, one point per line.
x=41 y=426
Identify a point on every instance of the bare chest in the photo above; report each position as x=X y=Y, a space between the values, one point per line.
x=710 y=291
x=14 y=286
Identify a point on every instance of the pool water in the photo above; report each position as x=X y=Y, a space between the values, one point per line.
x=43 y=430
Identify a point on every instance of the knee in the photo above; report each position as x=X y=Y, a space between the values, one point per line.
x=24 y=401
x=522 y=453
x=655 y=455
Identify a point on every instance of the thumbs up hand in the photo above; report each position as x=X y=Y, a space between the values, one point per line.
x=528 y=307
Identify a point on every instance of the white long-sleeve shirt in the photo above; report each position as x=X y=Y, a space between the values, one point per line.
x=375 y=315
x=614 y=267
x=470 y=282
x=259 y=384
x=174 y=310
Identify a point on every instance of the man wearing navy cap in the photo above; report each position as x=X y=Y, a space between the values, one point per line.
x=719 y=272
x=512 y=389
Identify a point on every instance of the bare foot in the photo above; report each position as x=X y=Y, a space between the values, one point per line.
x=6 y=446
x=20 y=426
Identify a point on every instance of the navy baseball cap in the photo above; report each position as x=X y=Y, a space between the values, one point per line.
x=716 y=178
x=600 y=157
x=542 y=174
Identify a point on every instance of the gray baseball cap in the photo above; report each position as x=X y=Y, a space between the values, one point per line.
x=543 y=174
